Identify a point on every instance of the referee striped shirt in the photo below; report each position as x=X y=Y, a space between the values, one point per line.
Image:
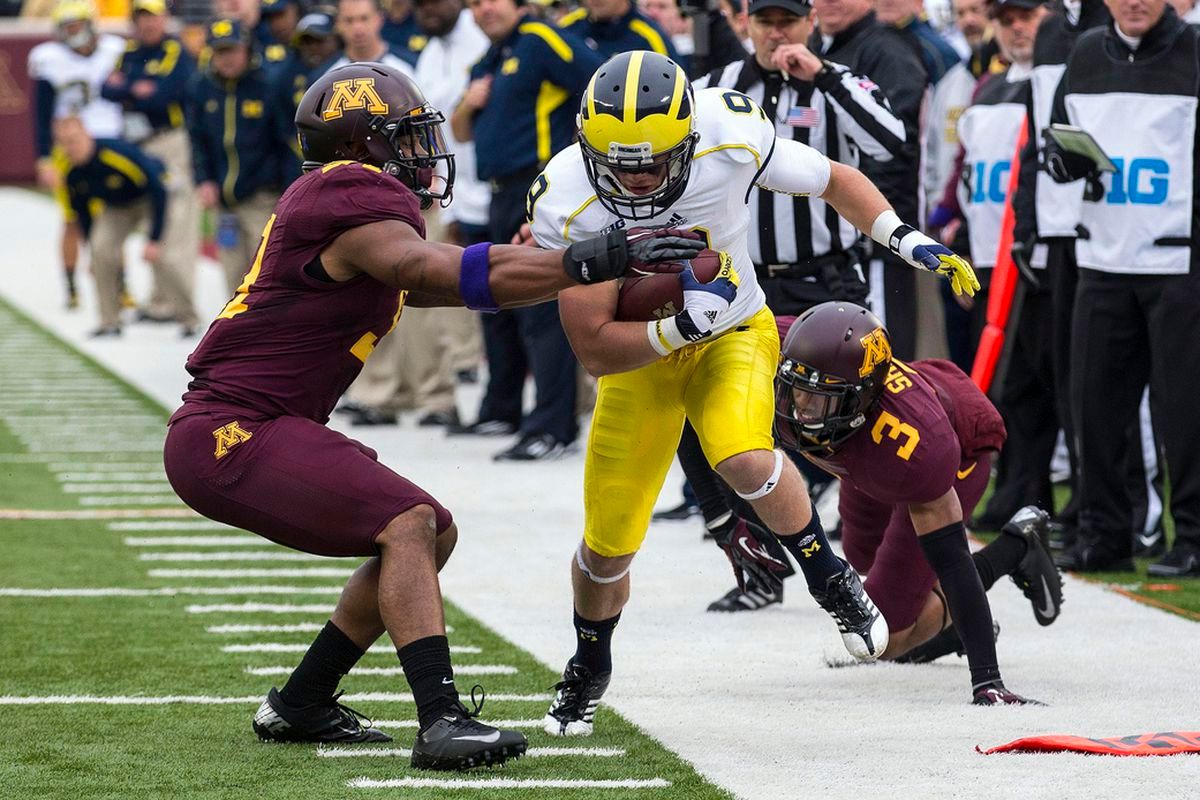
x=840 y=114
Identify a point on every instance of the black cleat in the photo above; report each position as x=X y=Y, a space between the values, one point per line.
x=864 y=630
x=1087 y=556
x=457 y=741
x=943 y=644
x=994 y=694
x=757 y=595
x=574 y=705
x=685 y=510
x=1036 y=576
x=327 y=722
x=1182 y=561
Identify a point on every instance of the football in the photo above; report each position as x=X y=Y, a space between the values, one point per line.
x=649 y=297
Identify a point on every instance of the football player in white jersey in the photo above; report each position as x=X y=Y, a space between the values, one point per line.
x=67 y=74
x=652 y=154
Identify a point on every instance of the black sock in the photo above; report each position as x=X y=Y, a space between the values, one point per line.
x=331 y=655
x=811 y=550
x=999 y=558
x=947 y=552
x=426 y=664
x=593 y=643
x=70 y=276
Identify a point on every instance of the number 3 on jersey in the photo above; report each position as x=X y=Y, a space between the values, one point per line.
x=895 y=429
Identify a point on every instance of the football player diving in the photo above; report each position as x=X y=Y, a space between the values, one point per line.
x=338 y=261
x=653 y=153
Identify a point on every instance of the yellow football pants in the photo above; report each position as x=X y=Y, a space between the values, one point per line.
x=725 y=388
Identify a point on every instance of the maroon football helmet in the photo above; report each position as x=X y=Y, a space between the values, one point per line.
x=832 y=369
x=372 y=113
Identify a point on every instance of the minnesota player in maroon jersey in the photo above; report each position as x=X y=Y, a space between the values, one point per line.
x=339 y=259
x=912 y=445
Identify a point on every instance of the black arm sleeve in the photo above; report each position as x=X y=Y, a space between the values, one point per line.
x=1024 y=200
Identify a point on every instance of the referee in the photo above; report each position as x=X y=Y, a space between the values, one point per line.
x=1134 y=85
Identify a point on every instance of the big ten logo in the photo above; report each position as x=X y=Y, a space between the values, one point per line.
x=988 y=181
x=1144 y=182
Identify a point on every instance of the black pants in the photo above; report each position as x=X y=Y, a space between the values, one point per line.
x=527 y=340
x=1062 y=274
x=898 y=295
x=1129 y=330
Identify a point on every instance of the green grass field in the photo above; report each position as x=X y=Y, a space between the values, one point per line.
x=76 y=441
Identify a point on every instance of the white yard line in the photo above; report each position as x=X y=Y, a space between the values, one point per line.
x=506 y=783
x=533 y=752
x=288 y=647
x=104 y=466
x=392 y=672
x=251 y=555
x=176 y=525
x=126 y=499
x=182 y=591
x=95 y=513
x=276 y=572
x=258 y=608
x=99 y=477
x=299 y=627
x=191 y=699
x=495 y=723
x=156 y=487
x=232 y=540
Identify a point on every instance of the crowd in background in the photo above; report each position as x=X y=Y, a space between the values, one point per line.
x=185 y=129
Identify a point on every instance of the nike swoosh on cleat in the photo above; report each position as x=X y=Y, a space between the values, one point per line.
x=489 y=738
x=1048 y=611
x=447 y=681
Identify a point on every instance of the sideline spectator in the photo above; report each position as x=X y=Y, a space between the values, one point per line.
x=402 y=31
x=360 y=24
x=615 y=26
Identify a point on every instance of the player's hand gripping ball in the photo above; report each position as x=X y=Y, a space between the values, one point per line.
x=649 y=297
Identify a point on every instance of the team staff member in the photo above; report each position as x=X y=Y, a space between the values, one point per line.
x=849 y=34
x=1139 y=271
x=131 y=187
x=237 y=156
x=360 y=24
x=281 y=17
x=150 y=82
x=402 y=30
x=617 y=26
x=315 y=46
x=519 y=110
x=67 y=74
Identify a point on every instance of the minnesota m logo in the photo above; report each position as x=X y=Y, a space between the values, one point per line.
x=352 y=94
x=876 y=350
x=229 y=437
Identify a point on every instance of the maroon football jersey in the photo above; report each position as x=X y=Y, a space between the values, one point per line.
x=909 y=449
x=288 y=343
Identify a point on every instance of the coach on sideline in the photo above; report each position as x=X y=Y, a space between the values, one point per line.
x=1133 y=85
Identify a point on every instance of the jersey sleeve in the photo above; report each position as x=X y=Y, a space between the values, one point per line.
x=795 y=169
x=555 y=201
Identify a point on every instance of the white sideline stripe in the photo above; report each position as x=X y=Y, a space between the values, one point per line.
x=506 y=783
x=253 y=555
x=212 y=700
x=172 y=525
x=299 y=627
x=96 y=477
x=389 y=672
x=193 y=541
x=495 y=723
x=287 y=647
x=94 y=513
x=62 y=461
x=167 y=591
x=258 y=608
x=533 y=752
x=105 y=466
x=159 y=486
x=276 y=572
x=127 y=499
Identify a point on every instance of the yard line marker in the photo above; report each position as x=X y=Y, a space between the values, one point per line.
x=390 y=672
x=126 y=499
x=156 y=487
x=213 y=700
x=258 y=608
x=172 y=525
x=495 y=723
x=299 y=627
x=98 y=477
x=275 y=572
x=104 y=466
x=251 y=555
x=287 y=647
x=533 y=752
x=233 y=540
x=94 y=513
x=506 y=783
x=62 y=461
x=167 y=591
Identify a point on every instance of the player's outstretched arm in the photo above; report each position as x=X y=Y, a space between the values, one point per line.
x=489 y=277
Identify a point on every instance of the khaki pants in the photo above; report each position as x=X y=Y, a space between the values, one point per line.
x=110 y=229
x=409 y=369
x=174 y=149
x=252 y=215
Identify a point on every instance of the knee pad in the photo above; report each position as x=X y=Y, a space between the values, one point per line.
x=603 y=581
x=770 y=483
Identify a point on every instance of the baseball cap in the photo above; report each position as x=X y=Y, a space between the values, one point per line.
x=270 y=7
x=225 y=33
x=156 y=7
x=801 y=8
x=999 y=5
x=317 y=24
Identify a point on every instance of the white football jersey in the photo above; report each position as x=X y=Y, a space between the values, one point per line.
x=736 y=150
x=77 y=80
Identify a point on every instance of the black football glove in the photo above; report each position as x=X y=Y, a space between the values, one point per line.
x=1063 y=165
x=1022 y=256
x=612 y=255
x=750 y=552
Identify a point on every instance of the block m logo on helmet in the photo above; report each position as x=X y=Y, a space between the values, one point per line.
x=351 y=95
x=876 y=350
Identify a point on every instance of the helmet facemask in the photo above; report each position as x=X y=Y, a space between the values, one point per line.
x=816 y=412
x=604 y=172
x=418 y=153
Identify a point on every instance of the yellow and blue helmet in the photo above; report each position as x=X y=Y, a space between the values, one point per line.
x=67 y=12
x=637 y=116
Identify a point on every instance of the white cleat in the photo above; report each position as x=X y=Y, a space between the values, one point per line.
x=575 y=702
x=864 y=630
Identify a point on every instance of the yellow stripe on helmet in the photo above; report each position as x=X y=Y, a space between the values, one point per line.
x=632 y=81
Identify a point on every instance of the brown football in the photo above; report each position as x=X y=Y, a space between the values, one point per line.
x=648 y=297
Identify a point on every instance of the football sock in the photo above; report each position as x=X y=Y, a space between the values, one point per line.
x=331 y=655
x=999 y=558
x=947 y=552
x=705 y=482
x=811 y=550
x=426 y=664
x=69 y=274
x=593 y=643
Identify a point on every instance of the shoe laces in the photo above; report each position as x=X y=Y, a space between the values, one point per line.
x=347 y=713
x=476 y=703
x=572 y=694
x=841 y=600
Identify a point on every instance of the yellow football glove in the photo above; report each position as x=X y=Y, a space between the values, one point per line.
x=958 y=271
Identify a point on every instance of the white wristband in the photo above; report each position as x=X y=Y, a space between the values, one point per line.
x=884 y=226
x=664 y=336
x=893 y=234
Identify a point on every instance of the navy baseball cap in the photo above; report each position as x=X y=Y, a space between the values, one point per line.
x=999 y=5
x=801 y=8
x=317 y=24
x=226 y=33
x=270 y=7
